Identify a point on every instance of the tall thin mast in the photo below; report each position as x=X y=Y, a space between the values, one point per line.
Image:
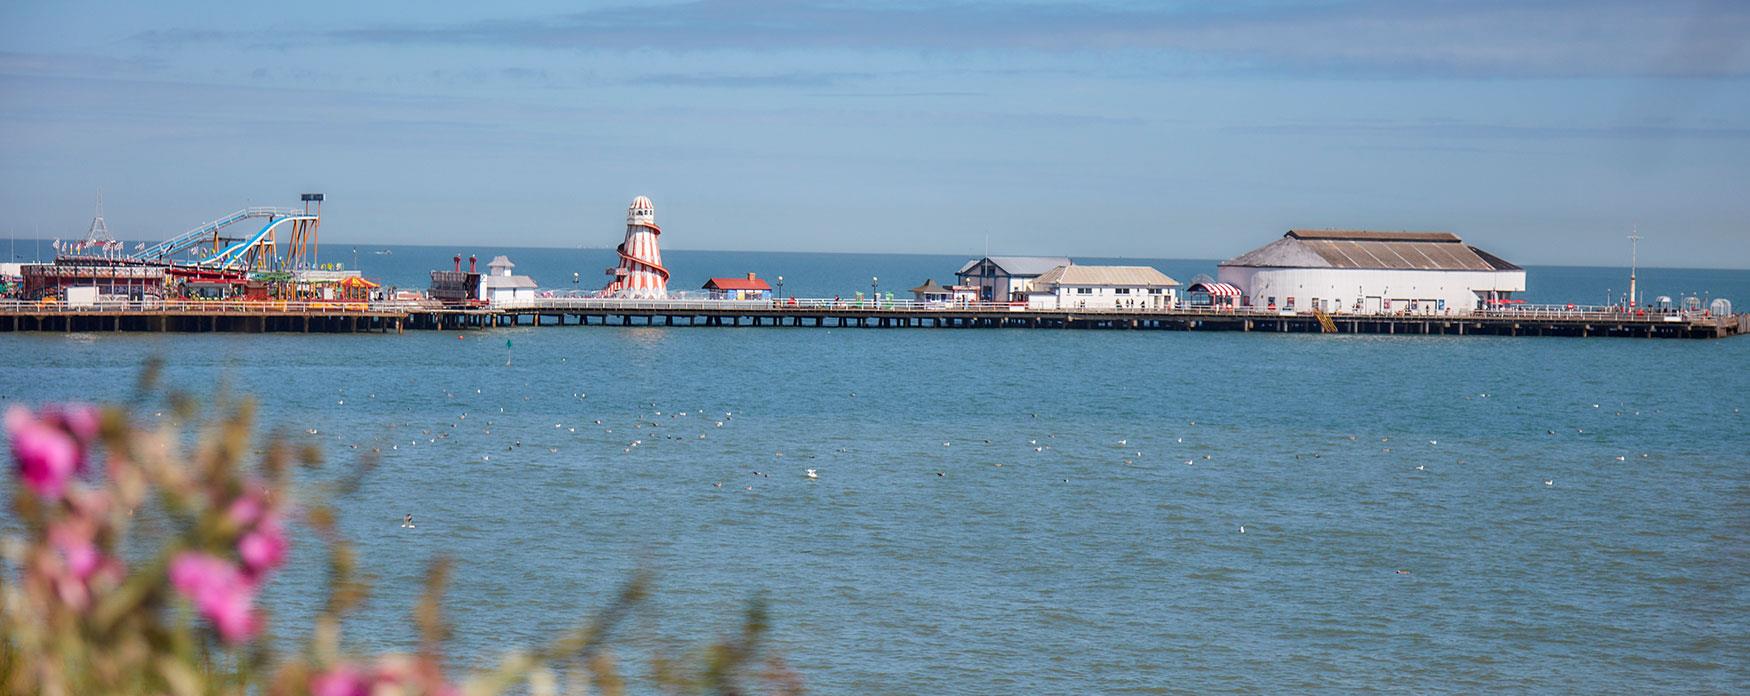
x=1634 y=240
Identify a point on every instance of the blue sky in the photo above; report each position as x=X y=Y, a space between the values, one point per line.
x=1543 y=131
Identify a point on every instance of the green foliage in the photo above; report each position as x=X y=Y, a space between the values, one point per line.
x=182 y=619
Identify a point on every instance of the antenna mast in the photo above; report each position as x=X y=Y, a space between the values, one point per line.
x=1634 y=241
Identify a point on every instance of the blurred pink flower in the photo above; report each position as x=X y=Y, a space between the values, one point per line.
x=219 y=591
x=263 y=548
x=263 y=544
x=340 y=681
x=82 y=420
x=246 y=509
x=46 y=457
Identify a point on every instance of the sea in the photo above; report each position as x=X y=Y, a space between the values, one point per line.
x=1005 y=511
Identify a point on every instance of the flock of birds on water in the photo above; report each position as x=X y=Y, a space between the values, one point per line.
x=650 y=420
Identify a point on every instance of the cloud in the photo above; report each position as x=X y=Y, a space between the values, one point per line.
x=781 y=79
x=1442 y=130
x=1492 y=38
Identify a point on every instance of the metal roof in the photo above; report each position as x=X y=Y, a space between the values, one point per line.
x=515 y=281
x=1354 y=249
x=932 y=287
x=1019 y=265
x=1115 y=276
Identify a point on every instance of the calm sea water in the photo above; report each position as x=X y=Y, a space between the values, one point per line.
x=1083 y=535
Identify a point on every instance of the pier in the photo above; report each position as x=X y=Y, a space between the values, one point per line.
x=397 y=317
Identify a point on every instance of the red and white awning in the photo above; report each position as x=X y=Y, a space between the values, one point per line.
x=1215 y=289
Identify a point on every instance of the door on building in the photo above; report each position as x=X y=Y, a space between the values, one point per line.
x=1372 y=305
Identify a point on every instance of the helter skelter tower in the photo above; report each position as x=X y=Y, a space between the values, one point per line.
x=640 y=274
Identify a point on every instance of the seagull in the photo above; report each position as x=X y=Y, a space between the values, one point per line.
x=1433 y=442
x=1421 y=467
x=1122 y=443
x=1038 y=449
x=810 y=474
x=946 y=444
x=1242 y=529
x=1621 y=458
x=1549 y=482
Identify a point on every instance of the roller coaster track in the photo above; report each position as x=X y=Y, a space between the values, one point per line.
x=192 y=238
x=630 y=263
x=230 y=255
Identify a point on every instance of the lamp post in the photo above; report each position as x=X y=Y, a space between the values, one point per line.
x=874 y=290
x=574 y=280
x=780 y=289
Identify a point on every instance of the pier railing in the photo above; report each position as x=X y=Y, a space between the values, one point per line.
x=827 y=305
x=819 y=305
x=212 y=307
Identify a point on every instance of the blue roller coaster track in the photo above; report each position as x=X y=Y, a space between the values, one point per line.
x=169 y=248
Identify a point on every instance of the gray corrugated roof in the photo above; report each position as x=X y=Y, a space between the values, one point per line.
x=1375 y=236
x=1020 y=265
x=1428 y=251
x=515 y=281
x=1109 y=276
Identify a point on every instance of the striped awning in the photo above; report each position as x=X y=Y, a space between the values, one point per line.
x=1215 y=289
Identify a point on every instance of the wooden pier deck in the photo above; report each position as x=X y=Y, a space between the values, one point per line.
x=338 y=317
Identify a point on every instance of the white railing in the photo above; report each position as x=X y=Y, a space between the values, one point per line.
x=179 y=306
x=812 y=306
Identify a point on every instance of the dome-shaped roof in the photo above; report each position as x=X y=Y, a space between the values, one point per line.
x=641 y=211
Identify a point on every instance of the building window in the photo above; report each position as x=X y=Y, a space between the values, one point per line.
x=1084 y=291
x=1154 y=291
x=1122 y=291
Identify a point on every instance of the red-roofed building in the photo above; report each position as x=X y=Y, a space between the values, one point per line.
x=749 y=288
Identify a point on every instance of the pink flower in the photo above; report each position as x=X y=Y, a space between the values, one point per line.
x=263 y=544
x=219 y=591
x=82 y=420
x=45 y=456
x=245 y=510
x=80 y=555
x=340 y=681
x=263 y=548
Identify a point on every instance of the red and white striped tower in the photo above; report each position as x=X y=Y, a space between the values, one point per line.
x=640 y=274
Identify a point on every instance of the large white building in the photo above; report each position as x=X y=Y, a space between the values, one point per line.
x=1345 y=271
x=1006 y=278
x=1102 y=287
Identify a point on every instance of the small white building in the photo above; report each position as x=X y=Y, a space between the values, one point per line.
x=498 y=286
x=1006 y=278
x=933 y=292
x=1347 y=271
x=1103 y=287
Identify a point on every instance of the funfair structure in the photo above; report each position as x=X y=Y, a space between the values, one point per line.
x=208 y=245
x=640 y=274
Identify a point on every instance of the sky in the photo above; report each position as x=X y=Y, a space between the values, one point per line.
x=1546 y=131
